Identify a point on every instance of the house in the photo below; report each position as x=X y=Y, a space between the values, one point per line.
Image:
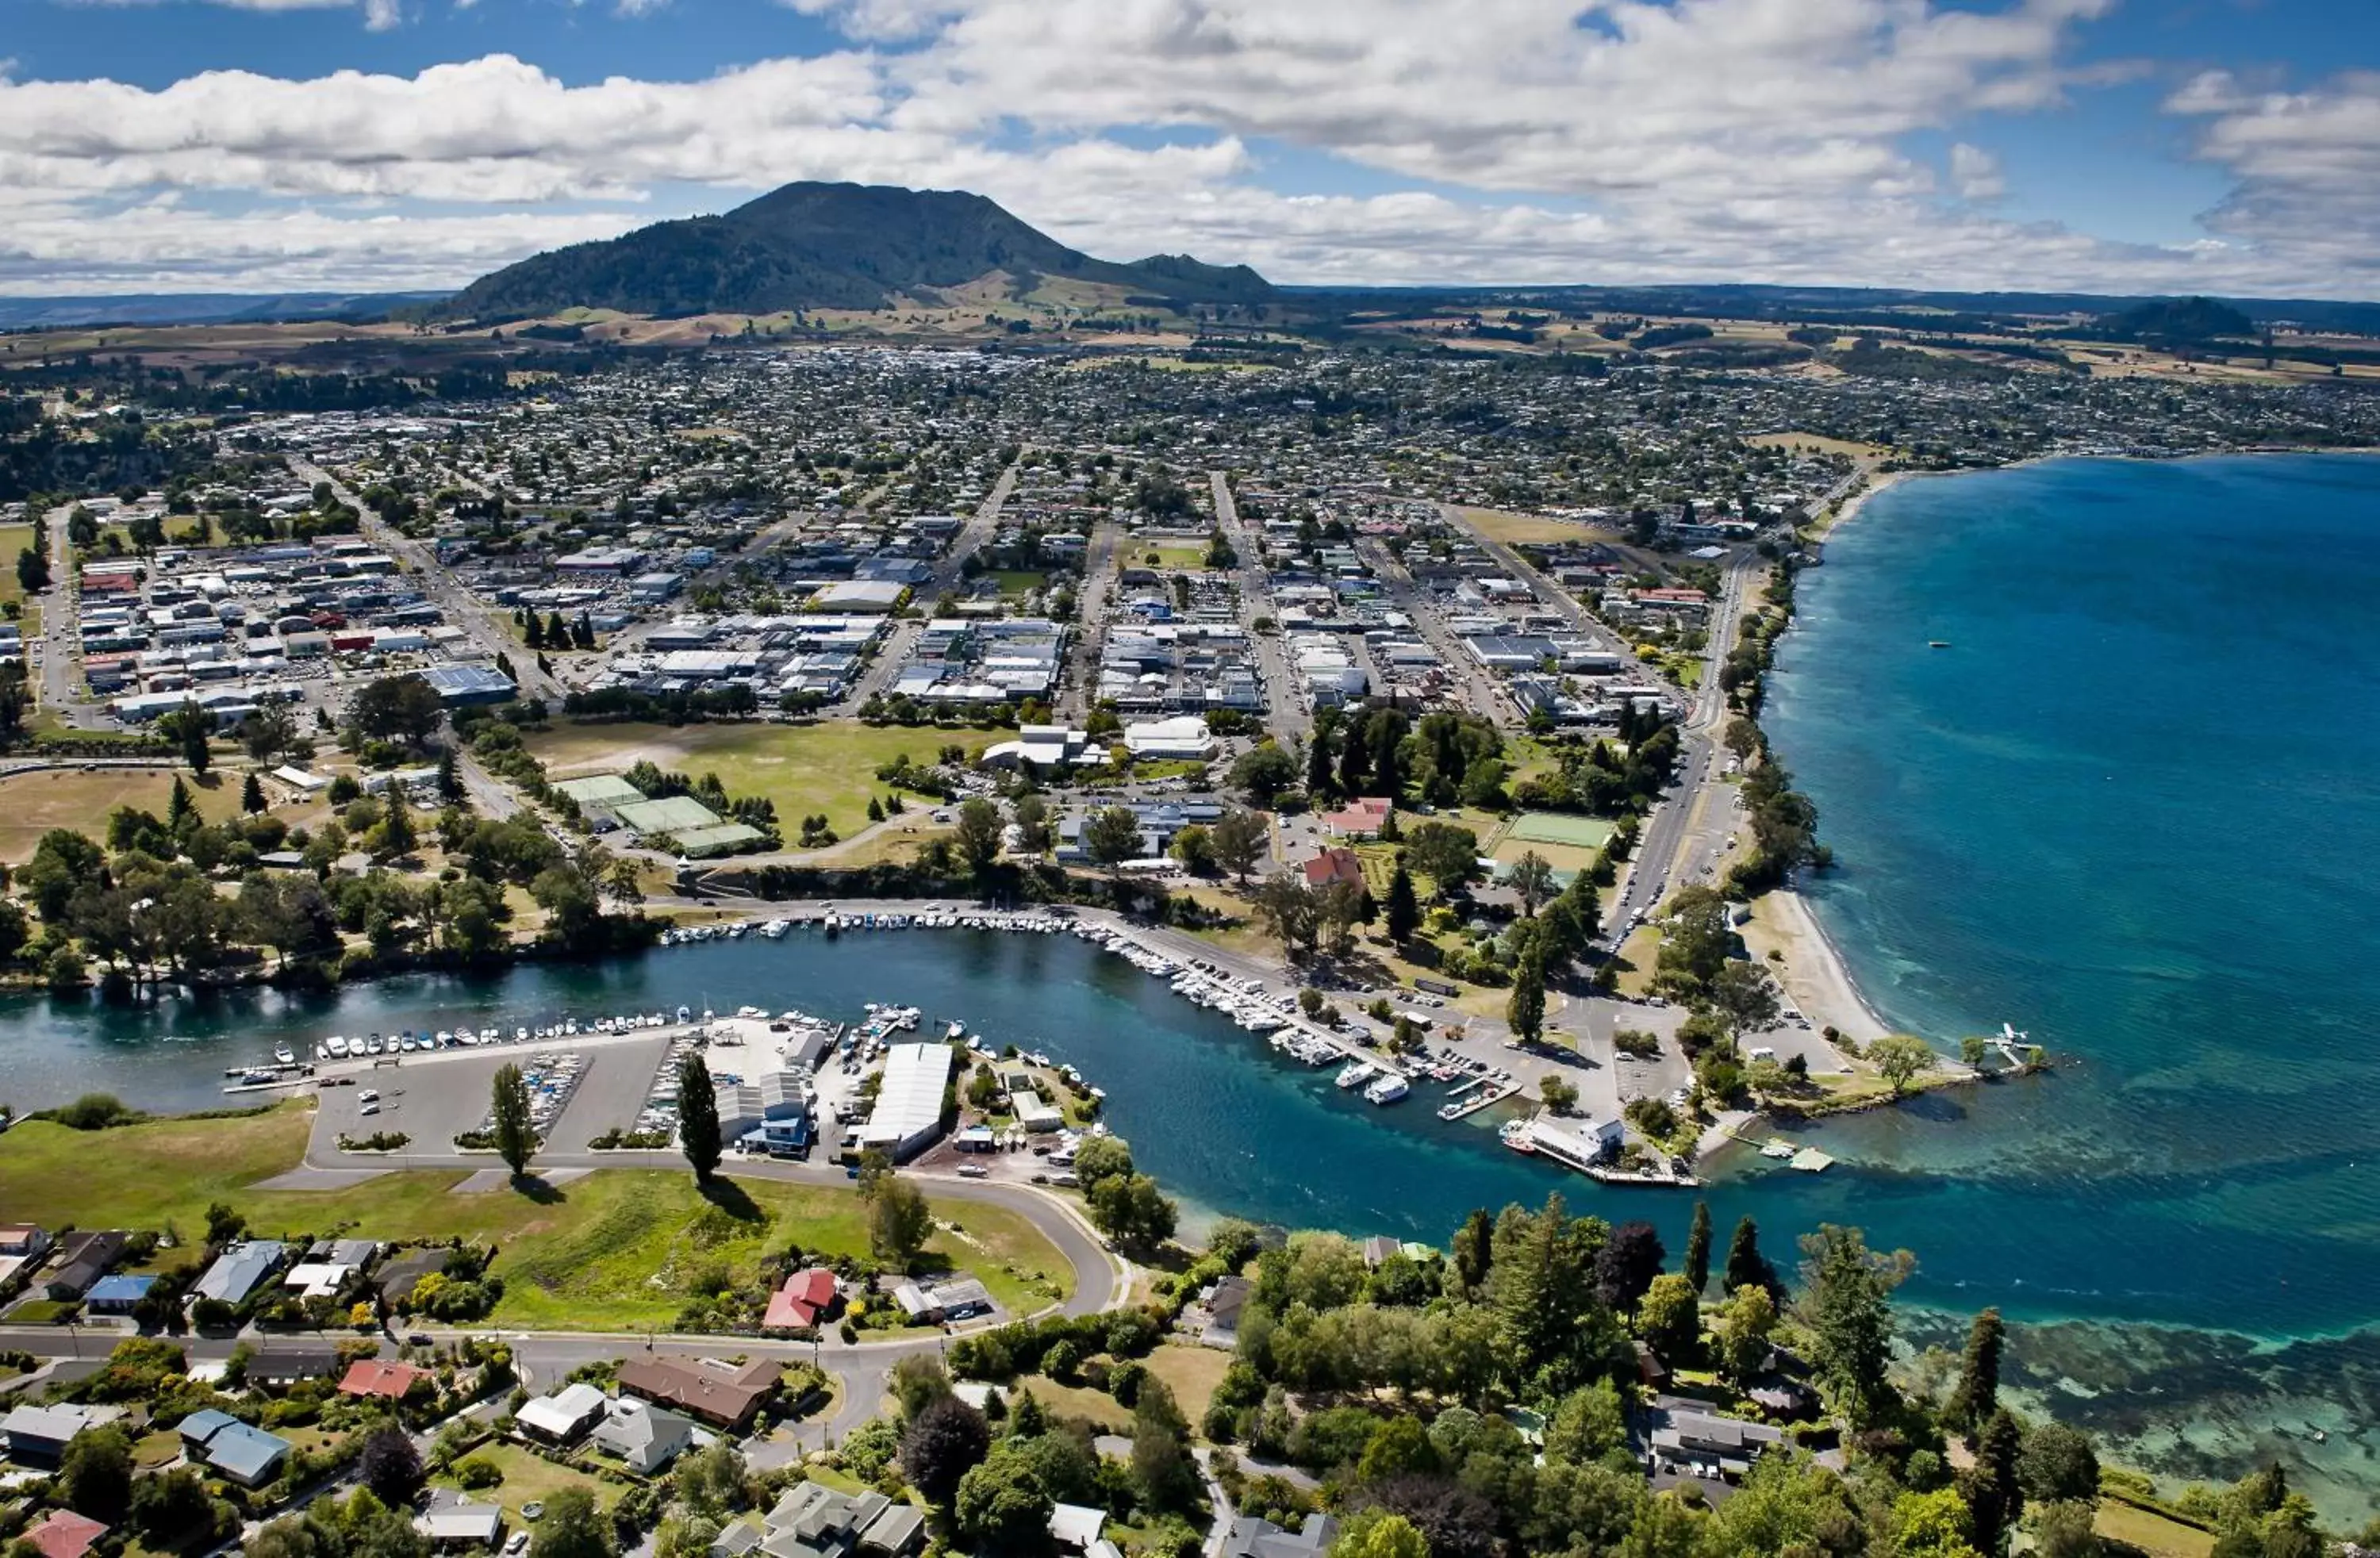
x=65 y=1534
x=381 y=1378
x=718 y=1394
x=238 y=1271
x=287 y=1362
x=807 y=1299
x=1035 y=1114
x=564 y=1415
x=463 y=1525
x=41 y=1434
x=738 y=1538
x=814 y=1521
x=1361 y=818
x=646 y=1438
x=117 y=1294
x=1076 y=1525
x=1333 y=867
x=959 y=1298
x=396 y=1278
x=1379 y=1247
x=1252 y=1538
x=24 y=1239
x=1223 y=1303
x=1703 y=1444
x=83 y=1259
x=247 y=1455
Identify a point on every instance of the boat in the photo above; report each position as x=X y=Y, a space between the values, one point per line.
x=1389 y=1088
x=283 y=1055
x=1937 y=643
x=337 y=1045
x=1356 y=1073
x=685 y=1014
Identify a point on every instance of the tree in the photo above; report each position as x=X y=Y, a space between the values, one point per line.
x=1746 y=1265
x=1291 y=911
x=1533 y=880
x=1001 y=1507
x=96 y=1474
x=1989 y=1486
x=2065 y=1530
x=1194 y=847
x=508 y=1115
x=573 y=1526
x=1262 y=773
x=1670 y=1317
x=269 y=732
x=1588 y=1425
x=942 y=1444
x=1379 y=1533
x=2059 y=1465
x=173 y=1510
x=391 y=1466
x=1404 y=907
x=1744 y=1332
x=1698 y=1242
x=1899 y=1058
x=1112 y=836
x=32 y=571
x=1161 y=1467
x=1446 y=854
x=251 y=794
x=1977 y=1395
x=1630 y=1258
x=1475 y=1249
x=188 y=727
x=698 y=1116
x=1524 y=1009
x=396 y=709
x=1099 y=1158
x=1561 y=1096
x=899 y=1221
x=977 y=838
x=1132 y=1211
x=1846 y=1309
x=1238 y=840
x=1032 y=823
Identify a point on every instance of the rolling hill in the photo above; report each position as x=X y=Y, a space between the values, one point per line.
x=822 y=245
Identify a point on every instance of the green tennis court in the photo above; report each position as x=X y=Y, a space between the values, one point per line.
x=1555 y=827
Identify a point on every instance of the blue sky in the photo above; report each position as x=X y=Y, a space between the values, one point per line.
x=2110 y=145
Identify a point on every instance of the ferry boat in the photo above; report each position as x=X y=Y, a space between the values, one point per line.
x=1389 y=1088
x=1356 y=1073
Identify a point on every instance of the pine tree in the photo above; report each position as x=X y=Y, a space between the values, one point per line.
x=180 y=810
x=251 y=794
x=450 y=779
x=1746 y=1267
x=698 y=1116
x=557 y=632
x=1977 y=1395
x=1525 y=1010
x=1319 y=779
x=397 y=836
x=1388 y=730
x=1475 y=1249
x=1698 y=1237
x=1403 y=908
x=535 y=629
x=508 y=1112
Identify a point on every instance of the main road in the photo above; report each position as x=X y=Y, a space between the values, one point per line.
x=1285 y=705
x=893 y=652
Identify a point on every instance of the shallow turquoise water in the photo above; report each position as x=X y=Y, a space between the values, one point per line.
x=2133 y=808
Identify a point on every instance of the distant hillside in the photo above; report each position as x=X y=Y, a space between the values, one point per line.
x=2179 y=319
x=201 y=307
x=819 y=245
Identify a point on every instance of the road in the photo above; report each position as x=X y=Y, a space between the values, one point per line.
x=1094 y=609
x=489 y=631
x=60 y=646
x=893 y=654
x=1481 y=692
x=1285 y=705
x=1548 y=595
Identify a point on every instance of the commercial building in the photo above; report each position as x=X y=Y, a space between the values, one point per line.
x=908 y=1113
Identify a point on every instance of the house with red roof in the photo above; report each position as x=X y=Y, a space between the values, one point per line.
x=65 y=1534
x=1360 y=817
x=1333 y=867
x=379 y=1377
x=807 y=1299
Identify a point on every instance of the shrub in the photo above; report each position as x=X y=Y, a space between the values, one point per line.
x=478 y=1472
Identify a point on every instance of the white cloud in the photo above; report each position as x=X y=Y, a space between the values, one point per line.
x=1745 y=139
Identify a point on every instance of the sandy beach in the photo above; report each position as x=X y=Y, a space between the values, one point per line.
x=1813 y=971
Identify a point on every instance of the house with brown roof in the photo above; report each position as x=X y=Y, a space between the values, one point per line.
x=721 y=1395
x=380 y=1377
x=806 y=1299
x=1333 y=867
x=65 y=1534
x=1360 y=817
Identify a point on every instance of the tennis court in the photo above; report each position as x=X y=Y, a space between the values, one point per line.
x=1555 y=827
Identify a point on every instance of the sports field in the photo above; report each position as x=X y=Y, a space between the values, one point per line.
x=1566 y=843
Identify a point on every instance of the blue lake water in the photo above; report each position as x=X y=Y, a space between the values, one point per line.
x=2130 y=809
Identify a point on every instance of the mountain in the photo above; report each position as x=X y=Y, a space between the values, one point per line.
x=2186 y=320
x=820 y=246
x=203 y=308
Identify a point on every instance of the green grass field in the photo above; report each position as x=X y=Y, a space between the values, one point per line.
x=13 y=540
x=2151 y=1532
x=619 y=1250
x=529 y=1479
x=33 y=803
x=828 y=767
x=1173 y=556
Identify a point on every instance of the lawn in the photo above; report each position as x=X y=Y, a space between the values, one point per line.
x=32 y=804
x=1526 y=529
x=1102 y=1411
x=1173 y=556
x=529 y=1480
x=13 y=540
x=805 y=769
x=1016 y=583
x=1192 y=1373
x=619 y=1250
x=2151 y=1532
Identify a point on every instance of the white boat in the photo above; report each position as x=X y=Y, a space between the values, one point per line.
x=337 y=1045
x=283 y=1055
x=1356 y=1073
x=372 y=1045
x=1387 y=1089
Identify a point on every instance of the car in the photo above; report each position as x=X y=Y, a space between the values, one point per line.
x=515 y=1544
x=368 y=1109
x=974 y=1171
x=420 y=1339
x=370 y=1095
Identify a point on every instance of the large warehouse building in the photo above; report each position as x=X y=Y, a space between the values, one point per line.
x=909 y=1106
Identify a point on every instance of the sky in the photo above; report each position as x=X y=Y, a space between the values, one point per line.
x=2121 y=146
